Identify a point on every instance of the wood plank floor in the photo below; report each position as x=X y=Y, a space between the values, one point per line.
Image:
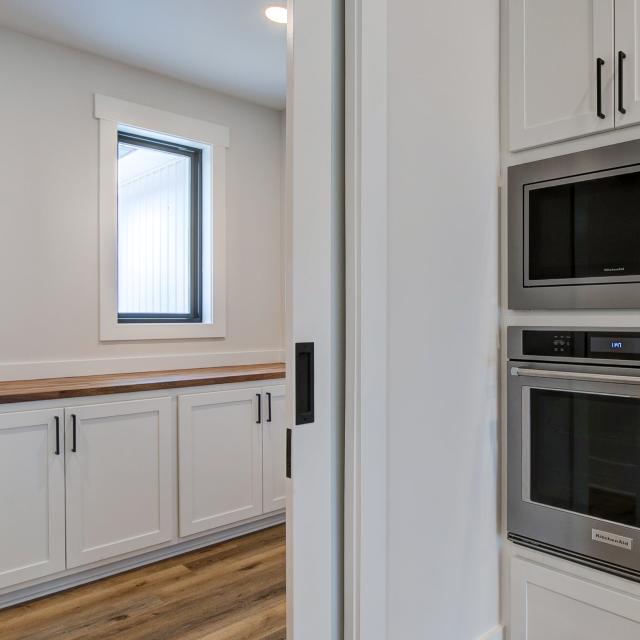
x=231 y=591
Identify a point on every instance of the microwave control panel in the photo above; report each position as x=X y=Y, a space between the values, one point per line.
x=623 y=345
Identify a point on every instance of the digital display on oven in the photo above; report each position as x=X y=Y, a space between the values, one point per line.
x=613 y=344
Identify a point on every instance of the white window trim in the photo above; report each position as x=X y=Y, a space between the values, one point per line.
x=113 y=115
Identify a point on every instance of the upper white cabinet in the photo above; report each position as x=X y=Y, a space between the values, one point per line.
x=562 y=68
x=574 y=68
x=220 y=458
x=32 y=536
x=119 y=478
x=547 y=604
x=274 y=448
x=627 y=60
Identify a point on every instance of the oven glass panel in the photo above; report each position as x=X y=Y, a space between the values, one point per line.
x=587 y=229
x=585 y=454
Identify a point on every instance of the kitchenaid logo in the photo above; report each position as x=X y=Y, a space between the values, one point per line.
x=612 y=539
x=613 y=269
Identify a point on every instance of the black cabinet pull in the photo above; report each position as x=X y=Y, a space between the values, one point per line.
x=269 y=406
x=599 y=65
x=57 y=420
x=621 y=56
x=259 y=420
x=73 y=433
x=288 y=453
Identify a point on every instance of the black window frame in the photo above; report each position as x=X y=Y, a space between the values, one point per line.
x=195 y=245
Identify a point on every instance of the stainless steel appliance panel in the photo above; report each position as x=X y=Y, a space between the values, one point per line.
x=614 y=288
x=573 y=448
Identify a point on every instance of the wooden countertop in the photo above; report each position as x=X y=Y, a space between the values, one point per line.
x=76 y=387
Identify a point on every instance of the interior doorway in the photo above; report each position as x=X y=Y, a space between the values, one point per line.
x=188 y=197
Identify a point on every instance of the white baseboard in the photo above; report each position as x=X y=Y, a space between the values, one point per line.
x=497 y=633
x=89 y=367
x=97 y=573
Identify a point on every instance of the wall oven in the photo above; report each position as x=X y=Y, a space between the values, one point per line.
x=573 y=451
x=574 y=225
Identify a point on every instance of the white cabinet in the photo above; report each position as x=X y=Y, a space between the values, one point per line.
x=549 y=604
x=557 y=50
x=627 y=60
x=86 y=483
x=274 y=449
x=118 y=478
x=32 y=535
x=220 y=458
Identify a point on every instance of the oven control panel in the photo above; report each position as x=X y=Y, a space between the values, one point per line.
x=613 y=345
x=554 y=343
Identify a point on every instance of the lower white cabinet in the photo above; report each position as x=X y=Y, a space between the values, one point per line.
x=220 y=458
x=549 y=604
x=274 y=447
x=32 y=535
x=118 y=478
x=86 y=483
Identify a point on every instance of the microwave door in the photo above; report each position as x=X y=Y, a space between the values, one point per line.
x=583 y=229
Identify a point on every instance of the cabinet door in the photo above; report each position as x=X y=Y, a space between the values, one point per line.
x=552 y=605
x=274 y=449
x=220 y=458
x=31 y=495
x=627 y=59
x=119 y=478
x=554 y=49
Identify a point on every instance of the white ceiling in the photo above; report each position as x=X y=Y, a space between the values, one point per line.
x=226 y=45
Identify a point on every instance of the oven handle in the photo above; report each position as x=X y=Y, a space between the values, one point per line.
x=574 y=375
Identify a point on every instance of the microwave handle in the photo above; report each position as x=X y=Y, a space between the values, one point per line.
x=574 y=375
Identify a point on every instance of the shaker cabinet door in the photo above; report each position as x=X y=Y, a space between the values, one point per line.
x=274 y=448
x=31 y=495
x=627 y=61
x=119 y=478
x=553 y=605
x=220 y=458
x=561 y=70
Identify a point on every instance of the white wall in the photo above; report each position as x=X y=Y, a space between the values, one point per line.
x=443 y=109
x=49 y=216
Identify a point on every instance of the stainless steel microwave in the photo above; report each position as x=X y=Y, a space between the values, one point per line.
x=574 y=230
x=573 y=444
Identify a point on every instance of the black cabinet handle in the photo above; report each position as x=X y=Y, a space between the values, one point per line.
x=599 y=65
x=621 y=56
x=259 y=420
x=269 y=406
x=57 y=419
x=73 y=433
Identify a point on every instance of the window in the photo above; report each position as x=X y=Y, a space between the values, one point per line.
x=162 y=223
x=159 y=231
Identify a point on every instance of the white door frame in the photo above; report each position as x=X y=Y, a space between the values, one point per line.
x=315 y=282
x=366 y=340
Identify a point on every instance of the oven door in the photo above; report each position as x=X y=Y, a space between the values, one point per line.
x=574 y=462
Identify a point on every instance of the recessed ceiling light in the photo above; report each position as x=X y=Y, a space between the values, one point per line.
x=277 y=14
